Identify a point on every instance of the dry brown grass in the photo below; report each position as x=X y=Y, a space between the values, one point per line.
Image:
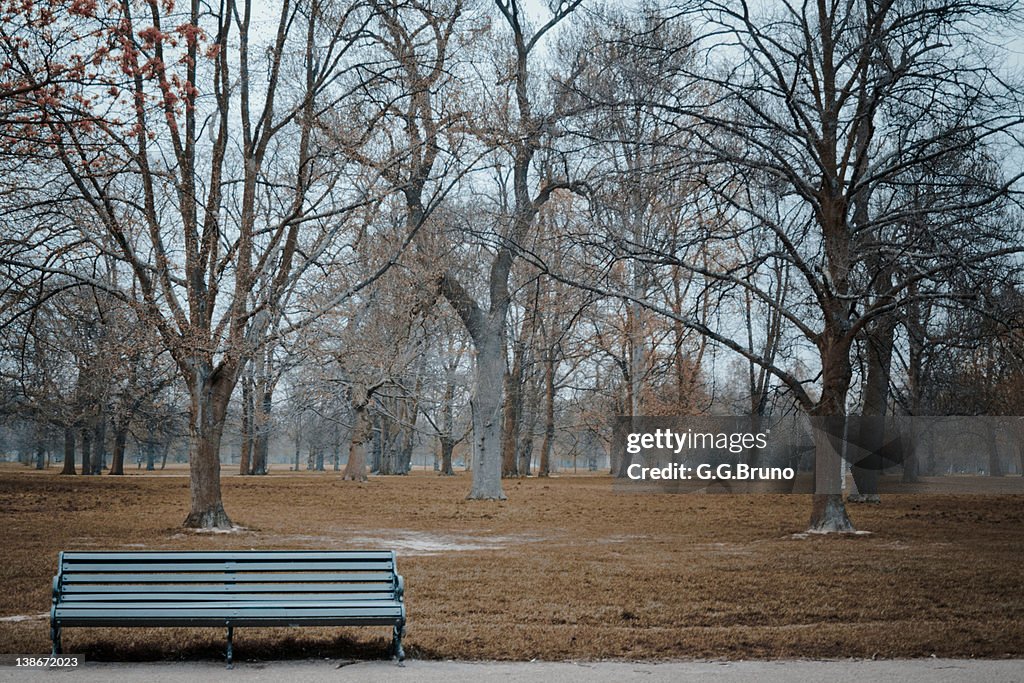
x=569 y=570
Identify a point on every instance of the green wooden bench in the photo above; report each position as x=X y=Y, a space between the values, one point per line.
x=247 y=588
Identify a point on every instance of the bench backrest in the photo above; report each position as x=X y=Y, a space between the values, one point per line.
x=198 y=576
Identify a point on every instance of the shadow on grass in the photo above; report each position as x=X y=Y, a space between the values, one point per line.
x=250 y=645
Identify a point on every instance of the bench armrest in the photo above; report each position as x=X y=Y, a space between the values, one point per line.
x=399 y=587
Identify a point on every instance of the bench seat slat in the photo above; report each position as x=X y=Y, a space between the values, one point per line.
x=75 y=589
x=136 y=608
x=290 y=577
x=230 y=566
x=224 y=597
x=245 y=555
x=116 y=619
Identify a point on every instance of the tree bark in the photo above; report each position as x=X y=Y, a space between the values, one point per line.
x=336 y=449
x=544 y=469
x=86 y=450
x=69 y=451
x=828 y=511
x=261 y=424
x=362 y=432
x=447 y=447
x=208 y=408
x=487 y=404
x=99 y=447
x=150 y=445
x=117 y=458
x=245 y=457
x=510 y=423
x=867 y=467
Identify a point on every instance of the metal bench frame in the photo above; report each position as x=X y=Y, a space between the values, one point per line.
x=237 y=588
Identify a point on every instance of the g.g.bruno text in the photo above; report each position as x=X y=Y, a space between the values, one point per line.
x=704 y=471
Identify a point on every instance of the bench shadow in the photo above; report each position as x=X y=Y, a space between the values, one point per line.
x=250 y=645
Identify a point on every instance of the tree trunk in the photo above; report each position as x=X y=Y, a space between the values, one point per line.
x=245 y=457
x=362 y=432
x=69 y=451
x=445 y=440
x=336 y=455
x=868 y=464
x=549 y=416
x=208 y=408
x=379 y=434
x=447 y=447
x=914 y=325
x=511 y=418
x=99 y=446
x=487 y=404
x=117 y=459
x=828 y=512
x=261 y=428
x=150 y=445
x=87 y=450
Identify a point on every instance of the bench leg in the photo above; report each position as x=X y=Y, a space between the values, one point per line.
x=55 y=637
x=396 y=644
x=231 y=632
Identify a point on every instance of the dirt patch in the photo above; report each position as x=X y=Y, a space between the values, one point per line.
x=564 y=569
x=424 y=543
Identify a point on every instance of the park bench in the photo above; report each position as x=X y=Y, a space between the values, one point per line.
x=229 y=589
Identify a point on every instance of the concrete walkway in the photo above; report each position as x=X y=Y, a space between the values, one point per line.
x=312 y=671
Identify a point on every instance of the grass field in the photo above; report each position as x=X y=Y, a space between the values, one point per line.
x=565 y=569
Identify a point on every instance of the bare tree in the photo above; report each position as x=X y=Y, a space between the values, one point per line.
x=143 y=139
x=803 y=100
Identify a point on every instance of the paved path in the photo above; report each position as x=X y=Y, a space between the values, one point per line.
x=333 y=671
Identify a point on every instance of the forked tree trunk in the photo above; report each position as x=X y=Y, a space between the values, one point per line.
x=69 y=451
